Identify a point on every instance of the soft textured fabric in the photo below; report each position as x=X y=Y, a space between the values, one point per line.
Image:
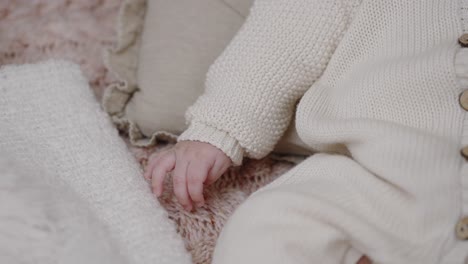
x=50 y=120
x=285 y=222
x=122 y=58
x=32 y=31
x=376 y=83
x=78 y=41
x=162 y=61
x=43 y=221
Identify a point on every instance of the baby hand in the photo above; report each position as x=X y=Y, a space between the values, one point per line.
x=194 y=165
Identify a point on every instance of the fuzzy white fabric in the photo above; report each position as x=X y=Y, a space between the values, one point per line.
x=44 y=221
x=50 y=120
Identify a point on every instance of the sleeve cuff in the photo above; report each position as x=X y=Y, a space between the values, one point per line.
x=220 y=139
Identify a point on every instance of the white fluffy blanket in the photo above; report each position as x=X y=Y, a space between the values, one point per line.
x=47 y=223
x=51 y=123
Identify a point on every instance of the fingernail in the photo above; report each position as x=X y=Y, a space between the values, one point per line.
x=200 y=204
x=155 y=192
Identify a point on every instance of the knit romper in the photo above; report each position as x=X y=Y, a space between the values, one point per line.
x=382 y=87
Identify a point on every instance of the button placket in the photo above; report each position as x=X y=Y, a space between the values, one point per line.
x=462 y=225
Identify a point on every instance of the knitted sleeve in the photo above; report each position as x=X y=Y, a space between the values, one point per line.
x=252 y=88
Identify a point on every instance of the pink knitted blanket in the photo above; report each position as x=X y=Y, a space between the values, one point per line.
x=34 y=30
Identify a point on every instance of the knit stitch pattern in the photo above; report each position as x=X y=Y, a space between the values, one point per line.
x=79 y=30
x=376 y=82
x=286 y=62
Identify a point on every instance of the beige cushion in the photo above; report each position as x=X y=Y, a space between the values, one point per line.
x=164 y=66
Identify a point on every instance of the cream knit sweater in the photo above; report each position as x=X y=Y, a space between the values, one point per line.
x=376 y=82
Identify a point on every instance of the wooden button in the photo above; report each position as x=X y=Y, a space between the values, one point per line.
x=464 y=152
x=462 y=229
x=463 y=40
x=464 y=100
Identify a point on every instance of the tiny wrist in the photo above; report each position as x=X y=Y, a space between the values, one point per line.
x=220 y=139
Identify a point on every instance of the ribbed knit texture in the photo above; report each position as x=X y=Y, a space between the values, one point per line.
x=378 y=84
x=252 y=88
x=49 y=119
